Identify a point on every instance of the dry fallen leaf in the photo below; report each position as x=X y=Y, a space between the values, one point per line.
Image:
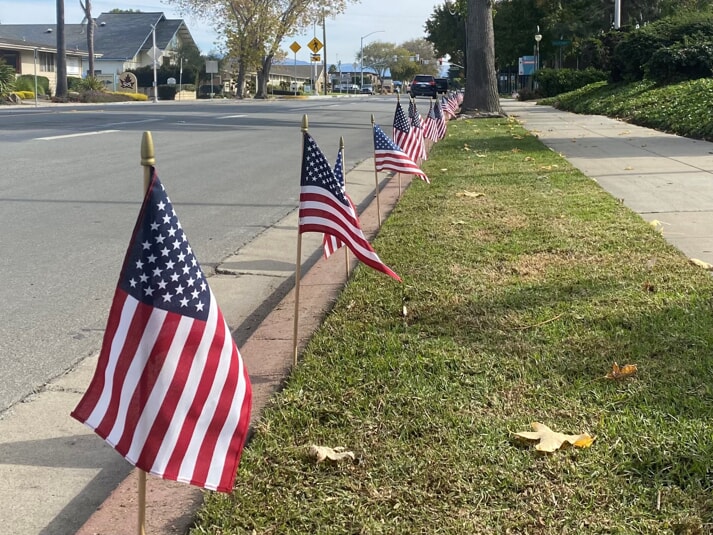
x=529 y=159
x=621 y=372
x=657 y=225
x=550 y=441
x=469 y=194
x=701 y=264
x=320 y=453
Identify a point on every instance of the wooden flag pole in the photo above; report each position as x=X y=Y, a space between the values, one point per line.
x=376 y=178
x=148 y=160
x=298 y=270
x=398 y=101
x=346 y=249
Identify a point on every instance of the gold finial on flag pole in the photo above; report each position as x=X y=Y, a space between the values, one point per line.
x=148 y=160
x=298 y=264
x=376 y=178
x=148 y=157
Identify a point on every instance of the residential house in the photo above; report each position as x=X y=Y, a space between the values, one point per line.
x=122 y=41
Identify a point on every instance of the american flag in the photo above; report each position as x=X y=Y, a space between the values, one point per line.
x=331 y=243
x=405 y=137
x=440 y=121
x=325 y=208
x=170 y=393
x=389 y=157
x=450 y=105
x=417 y=125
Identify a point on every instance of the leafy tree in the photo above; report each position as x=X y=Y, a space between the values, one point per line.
x=261 y=25
x=481 y=85
x=445 y=30
x=378 y=56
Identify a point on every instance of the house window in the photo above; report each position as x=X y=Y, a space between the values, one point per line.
x=46 y=62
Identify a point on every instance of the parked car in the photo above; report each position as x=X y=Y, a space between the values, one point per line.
x=367 y=89
x=423 y=85
x=442 y=85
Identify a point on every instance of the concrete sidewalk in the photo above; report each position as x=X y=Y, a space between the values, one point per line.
x=58 y=478
x=660 y=176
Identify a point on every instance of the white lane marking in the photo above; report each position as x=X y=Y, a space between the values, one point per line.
x=78 y=135
x=232 y=116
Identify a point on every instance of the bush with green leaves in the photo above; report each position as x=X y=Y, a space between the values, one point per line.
x=90 y=83
x=26 y=82
x=633 y=55
x=7 y=80
x=552 y=82
x=682 y=61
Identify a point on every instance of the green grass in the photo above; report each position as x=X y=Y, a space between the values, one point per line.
x=518 y=303
x=682 y=108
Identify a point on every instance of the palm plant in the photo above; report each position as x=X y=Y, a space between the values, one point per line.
x=7 y=80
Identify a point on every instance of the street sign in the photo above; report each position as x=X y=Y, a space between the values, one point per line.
x=315 y=57
x=561 y=42
x=295 y=47
x=315 y=45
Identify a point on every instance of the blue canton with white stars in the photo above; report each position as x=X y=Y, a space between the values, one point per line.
x=316 y=171
x=413 y=114
x=400 y=121
x=382 y=142
x=160 y=269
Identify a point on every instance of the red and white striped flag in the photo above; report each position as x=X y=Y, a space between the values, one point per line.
x=405 y=136
x=389 y=157
x=324 y=208
x=331 y=243
x=417 y=125
x=435 y=128
x=170 y=393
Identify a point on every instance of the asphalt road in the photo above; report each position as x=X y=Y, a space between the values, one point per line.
x=70 y=190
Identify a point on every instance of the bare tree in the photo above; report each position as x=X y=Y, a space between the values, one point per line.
x=481 y=85
x=87 y=8
x=61 y=89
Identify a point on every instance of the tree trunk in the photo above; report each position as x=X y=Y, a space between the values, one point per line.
x=61 y=89
x=87 y=8
x=240 y=89
x=263 y=75
x=481 y=85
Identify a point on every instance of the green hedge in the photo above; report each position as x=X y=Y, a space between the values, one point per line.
x=26 y=82
x=552 y=82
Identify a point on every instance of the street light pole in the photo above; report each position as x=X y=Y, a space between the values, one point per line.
x=361 y=55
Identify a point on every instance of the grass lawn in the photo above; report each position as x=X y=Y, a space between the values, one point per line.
x=517 y=303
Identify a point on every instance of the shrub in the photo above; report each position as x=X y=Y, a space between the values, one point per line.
x=7 y=80
x=555 y=81
x=681 y=62
x=26 y=82
x=90 y=83
x=167 y=92
x=24 y=95
x=632 y=56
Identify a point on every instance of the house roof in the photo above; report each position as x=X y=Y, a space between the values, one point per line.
x=117 y=36
x=300 y=71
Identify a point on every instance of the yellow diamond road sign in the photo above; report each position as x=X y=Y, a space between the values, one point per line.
x=295 y=47
x=315 y=45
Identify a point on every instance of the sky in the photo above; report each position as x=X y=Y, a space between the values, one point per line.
x=392 y=21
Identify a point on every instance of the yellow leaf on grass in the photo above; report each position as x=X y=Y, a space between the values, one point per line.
x=469 y=194
x=701 y=264
x=658 y=226
x=529 y=159
x=621 y=372
x=549 y=441
x=320 y=453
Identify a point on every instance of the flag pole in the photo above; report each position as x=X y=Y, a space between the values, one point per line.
x=346 y=249
x=398 y=101
x=376 y=177
x=298 y=269
x=148 y=160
